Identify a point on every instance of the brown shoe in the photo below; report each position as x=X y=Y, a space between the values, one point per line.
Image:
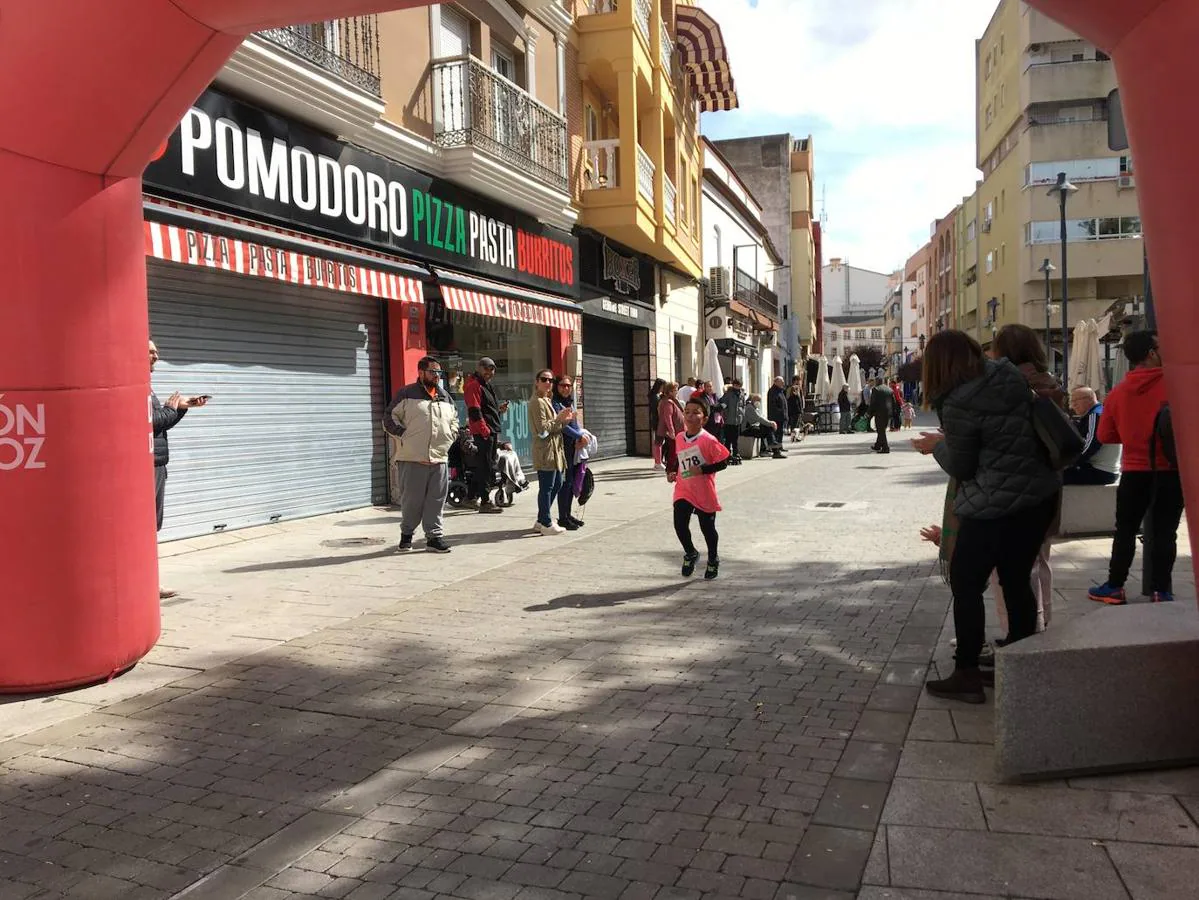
x=164 y=594
x=965 y=685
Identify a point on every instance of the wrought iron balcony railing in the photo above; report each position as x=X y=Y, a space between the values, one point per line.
x=756 y=295
x=474 y=106
x=349 y=48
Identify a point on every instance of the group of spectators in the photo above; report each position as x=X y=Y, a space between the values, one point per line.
x=730 y=416
x=1004 y=496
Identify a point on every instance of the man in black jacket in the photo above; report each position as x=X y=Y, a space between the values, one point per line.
x=483 y=411
x=776 y=409
x=882 y=403
x=164 y=417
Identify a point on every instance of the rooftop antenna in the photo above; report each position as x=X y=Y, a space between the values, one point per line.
x=823 y=207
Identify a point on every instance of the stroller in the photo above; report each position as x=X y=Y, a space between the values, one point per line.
x=861 y=420
x=507 y=479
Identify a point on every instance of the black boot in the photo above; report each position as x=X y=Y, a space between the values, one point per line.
x=964 y=684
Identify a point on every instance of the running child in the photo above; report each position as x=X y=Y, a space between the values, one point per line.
x=693 y=462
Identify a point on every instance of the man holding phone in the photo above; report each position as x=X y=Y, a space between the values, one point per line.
x=483 y=411
x=164 y=417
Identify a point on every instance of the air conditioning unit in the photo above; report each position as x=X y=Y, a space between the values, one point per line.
x=719 y=283
x=987 y=226
x=1127 y=181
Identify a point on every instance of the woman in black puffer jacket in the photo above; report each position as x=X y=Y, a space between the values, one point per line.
x=1006 y=493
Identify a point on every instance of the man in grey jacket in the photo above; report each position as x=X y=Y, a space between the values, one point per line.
x=424 y=421
x=733 y=406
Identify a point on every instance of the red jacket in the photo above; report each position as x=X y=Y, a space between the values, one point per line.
x=1128 y=416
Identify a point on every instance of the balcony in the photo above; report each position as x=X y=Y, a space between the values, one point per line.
x=670 y=201
x=645 y=175
x=349 y=48
x=324 y=73
x=643 y=10
x=755 y=295
x=473 y=107
x=1069 y=81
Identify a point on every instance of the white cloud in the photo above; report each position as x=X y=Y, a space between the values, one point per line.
x=889 y=83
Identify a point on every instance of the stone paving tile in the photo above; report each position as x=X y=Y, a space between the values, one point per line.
x=889 y=893
x=1001 y=864
x=1156 y=873
x=935 y=804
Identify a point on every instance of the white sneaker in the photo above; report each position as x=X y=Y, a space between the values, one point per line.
x=552 y=528
x=659 y=467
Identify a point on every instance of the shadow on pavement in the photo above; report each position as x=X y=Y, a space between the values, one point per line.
x=596 y=601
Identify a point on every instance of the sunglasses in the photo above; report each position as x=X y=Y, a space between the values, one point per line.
x=565 y=384
x=543 y=378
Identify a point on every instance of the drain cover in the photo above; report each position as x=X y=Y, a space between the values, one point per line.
x=353 y=542
x=828 y=504
x=835 y=505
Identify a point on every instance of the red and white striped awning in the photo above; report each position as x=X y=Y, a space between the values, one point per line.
x=705 y=58
x=194 y=247
x=498 y=306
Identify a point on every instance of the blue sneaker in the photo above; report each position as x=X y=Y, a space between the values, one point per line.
x=1163 y=597
x=1108 y=593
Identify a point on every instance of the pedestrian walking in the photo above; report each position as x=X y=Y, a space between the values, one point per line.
x=733 y=404
x=845 y=409
x=483 y=411
x=897 y=405
x=692 y=466
x=909 y=414
x=424 y=421
x=1006 y=494
x=795 y=400
x=1150 y=486
x=882 y=401
x=572 y=435
x=655 y=399
x=549 y=460
x=164 y=417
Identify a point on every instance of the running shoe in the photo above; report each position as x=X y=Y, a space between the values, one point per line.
x=1109 y=594
x=689 y=561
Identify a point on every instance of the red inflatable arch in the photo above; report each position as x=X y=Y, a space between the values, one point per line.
x=90 y=90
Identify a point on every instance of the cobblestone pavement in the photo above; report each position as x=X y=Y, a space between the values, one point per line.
x=557 y=718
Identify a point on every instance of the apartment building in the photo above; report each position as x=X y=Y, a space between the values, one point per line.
x=968 y=258
x=844 y=335
x=352 y=195
x=1042 y=109
x=780 y=170
x=853 y=291
x=741 y=308
x=943 y=284
x=918 y=276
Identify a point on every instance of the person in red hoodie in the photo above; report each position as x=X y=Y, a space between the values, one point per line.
x=1148 y=487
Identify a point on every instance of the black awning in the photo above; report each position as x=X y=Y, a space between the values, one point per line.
x=731 y=347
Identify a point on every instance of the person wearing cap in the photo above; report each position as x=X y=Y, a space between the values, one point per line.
x=483 y=412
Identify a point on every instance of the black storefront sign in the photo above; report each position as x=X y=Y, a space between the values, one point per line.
x=228 y=153
x=616 y=270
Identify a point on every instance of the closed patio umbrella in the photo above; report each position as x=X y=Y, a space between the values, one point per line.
x=712 y=371
x=821 y=379
x=837 y=381
x=855 y=376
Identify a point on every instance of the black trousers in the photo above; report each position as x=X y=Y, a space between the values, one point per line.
x=780 y=428
x=880 y=425
x=732 y=434
x=707 y=524
x=1157 y=500
x=1008 y=545
x=160 y=490
x=484 y=466
x=566 y=496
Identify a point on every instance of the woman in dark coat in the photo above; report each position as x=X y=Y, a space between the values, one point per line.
x=1005 y=498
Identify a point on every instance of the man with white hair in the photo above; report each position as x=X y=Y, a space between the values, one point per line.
x=1099 y=463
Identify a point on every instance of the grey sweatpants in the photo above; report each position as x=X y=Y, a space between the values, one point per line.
x=422 y=496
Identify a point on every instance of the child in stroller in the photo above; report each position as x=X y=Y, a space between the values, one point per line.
x=507 y=479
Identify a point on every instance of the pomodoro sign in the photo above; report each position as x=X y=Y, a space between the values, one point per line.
x=244 y=158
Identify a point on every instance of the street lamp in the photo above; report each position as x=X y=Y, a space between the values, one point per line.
x=1048 y=268
x=1063 y=189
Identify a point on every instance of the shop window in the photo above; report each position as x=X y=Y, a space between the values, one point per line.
x=458 y=340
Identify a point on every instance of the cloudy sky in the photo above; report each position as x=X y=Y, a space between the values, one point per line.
x=885 y=88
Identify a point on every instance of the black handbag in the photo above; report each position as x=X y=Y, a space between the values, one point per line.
x=1056 y=431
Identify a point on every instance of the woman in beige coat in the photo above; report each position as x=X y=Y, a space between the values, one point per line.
x=548 y=458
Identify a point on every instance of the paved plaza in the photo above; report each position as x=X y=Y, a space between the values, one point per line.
x=534 y=718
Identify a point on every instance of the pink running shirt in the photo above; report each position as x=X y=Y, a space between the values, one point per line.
x=693 y=485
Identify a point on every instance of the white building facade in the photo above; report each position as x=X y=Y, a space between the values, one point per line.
x=741 y=311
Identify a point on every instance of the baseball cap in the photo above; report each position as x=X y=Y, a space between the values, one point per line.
x=487 y=363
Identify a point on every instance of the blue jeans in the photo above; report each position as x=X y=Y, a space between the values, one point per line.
x=548 y=485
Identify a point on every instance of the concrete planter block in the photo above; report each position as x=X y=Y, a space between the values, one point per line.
x=1088 y=510
x=1116 y=689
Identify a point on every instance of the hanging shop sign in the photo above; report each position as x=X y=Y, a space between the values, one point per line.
x=623 y=271
x=238 y=156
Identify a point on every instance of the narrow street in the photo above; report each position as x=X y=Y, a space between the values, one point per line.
x=532 y=718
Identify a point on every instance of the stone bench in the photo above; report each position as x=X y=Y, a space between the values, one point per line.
x=1116 y=689
x=1088 y=510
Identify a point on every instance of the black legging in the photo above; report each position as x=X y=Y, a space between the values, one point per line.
x=707 y=524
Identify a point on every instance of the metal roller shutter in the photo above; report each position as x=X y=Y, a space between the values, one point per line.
x=296 y=376
x=608 y=386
